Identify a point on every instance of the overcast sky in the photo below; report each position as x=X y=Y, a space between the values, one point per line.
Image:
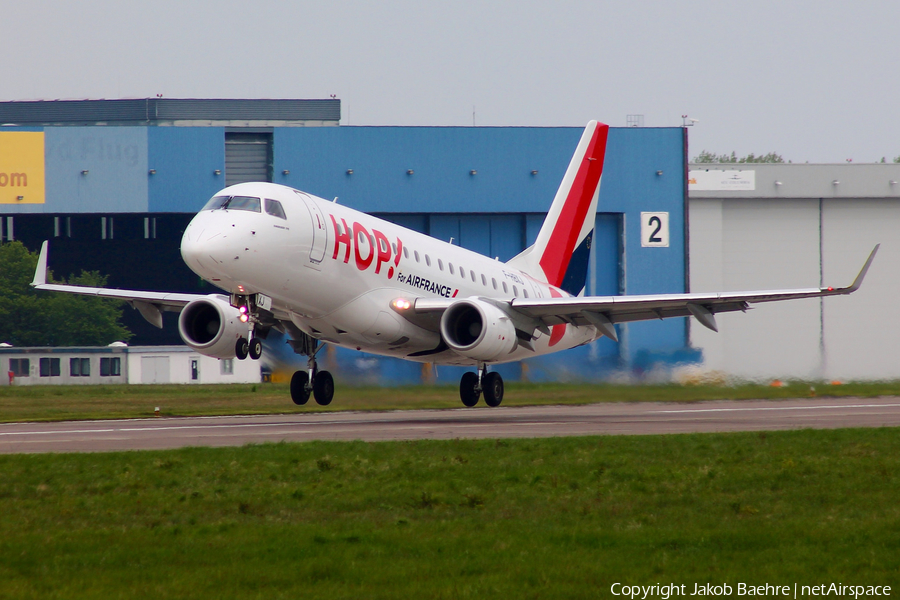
x=812 y=80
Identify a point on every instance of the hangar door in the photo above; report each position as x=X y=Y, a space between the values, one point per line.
x=248 y=157
x=154 y=369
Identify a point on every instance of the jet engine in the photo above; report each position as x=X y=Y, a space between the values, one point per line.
x=211 y=326
x=478 y=330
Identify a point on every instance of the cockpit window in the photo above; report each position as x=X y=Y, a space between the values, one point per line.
x=216 y=202
x=243 y=203
x=274 y=208
x=233 y=203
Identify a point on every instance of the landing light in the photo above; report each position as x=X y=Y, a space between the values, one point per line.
x=401 y=304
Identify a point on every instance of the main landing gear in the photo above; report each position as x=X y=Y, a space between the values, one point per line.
x=320 y=383
x=472 y=385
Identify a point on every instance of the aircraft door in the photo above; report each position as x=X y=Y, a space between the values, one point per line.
x=319 y=234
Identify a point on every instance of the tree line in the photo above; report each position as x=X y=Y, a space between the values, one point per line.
x=29 y=317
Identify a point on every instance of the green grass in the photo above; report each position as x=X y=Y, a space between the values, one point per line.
x=554 y=518
x=43 y=403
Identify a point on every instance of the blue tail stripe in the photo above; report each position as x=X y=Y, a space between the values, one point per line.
x=576 y=274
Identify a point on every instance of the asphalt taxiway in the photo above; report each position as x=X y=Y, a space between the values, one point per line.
x=641 y=418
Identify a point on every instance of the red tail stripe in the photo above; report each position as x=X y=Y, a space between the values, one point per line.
x=564 y=238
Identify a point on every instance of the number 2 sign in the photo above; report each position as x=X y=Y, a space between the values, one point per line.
x=655 y=229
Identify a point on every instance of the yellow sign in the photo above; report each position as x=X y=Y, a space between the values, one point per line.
x=21 y=167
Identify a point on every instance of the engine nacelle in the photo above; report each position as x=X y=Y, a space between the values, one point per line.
x=478 y=330
x=211 y=326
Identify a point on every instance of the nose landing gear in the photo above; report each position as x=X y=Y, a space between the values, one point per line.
x=253 y=348
x=472 y=385
x=250 y=313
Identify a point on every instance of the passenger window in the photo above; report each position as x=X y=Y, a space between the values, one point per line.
x=274 y=208
x=462 y=272
x=483 y=280
x=472 y=275
x=427 y=260
x=451 y=267
x=440 y=264
x=505 y=289
x=515 y=291
x=524 y=291
x=416 y=254
x=405 y=252
x=394 y=247
x=494 y=281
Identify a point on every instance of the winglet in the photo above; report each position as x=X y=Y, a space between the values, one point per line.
x=40 y=273
x=862 y=274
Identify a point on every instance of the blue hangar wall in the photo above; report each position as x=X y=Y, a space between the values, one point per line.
x=488 y=188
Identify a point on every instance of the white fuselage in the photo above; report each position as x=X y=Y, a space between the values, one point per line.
x=334 y=272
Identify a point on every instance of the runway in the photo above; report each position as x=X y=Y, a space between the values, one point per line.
x=504 y=422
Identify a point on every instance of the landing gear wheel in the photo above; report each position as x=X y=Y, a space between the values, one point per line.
x=492 y=385
x=467 y=392
x=323 y=387
x=255 y=348
x=241 y=348
x=299 y=388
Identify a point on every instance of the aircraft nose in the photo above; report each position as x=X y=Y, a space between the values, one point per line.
x=199 y=248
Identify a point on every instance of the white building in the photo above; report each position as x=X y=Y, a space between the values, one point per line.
x=770 y=226
x=121 y=364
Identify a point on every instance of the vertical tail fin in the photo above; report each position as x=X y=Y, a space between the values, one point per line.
x=560 y=254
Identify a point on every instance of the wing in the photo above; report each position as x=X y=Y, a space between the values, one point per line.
x=149 y=304
x=605 y=311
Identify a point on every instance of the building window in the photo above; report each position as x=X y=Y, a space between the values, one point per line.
x=80 y=367
x=8 y=233
x=227 y=366
x=49 y=367
x=106 y=228
x=195 y=369
x=149 y=228
x=20 y=367
x=111 y=366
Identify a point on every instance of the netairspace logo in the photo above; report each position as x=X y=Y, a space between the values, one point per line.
x=671 y=590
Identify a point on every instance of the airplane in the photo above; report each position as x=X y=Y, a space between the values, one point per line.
x=323 y=273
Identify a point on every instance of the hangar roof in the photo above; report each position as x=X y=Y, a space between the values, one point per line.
x=173 y=111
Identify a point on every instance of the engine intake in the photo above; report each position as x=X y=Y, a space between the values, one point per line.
x=211 y=326
x=478 y=330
